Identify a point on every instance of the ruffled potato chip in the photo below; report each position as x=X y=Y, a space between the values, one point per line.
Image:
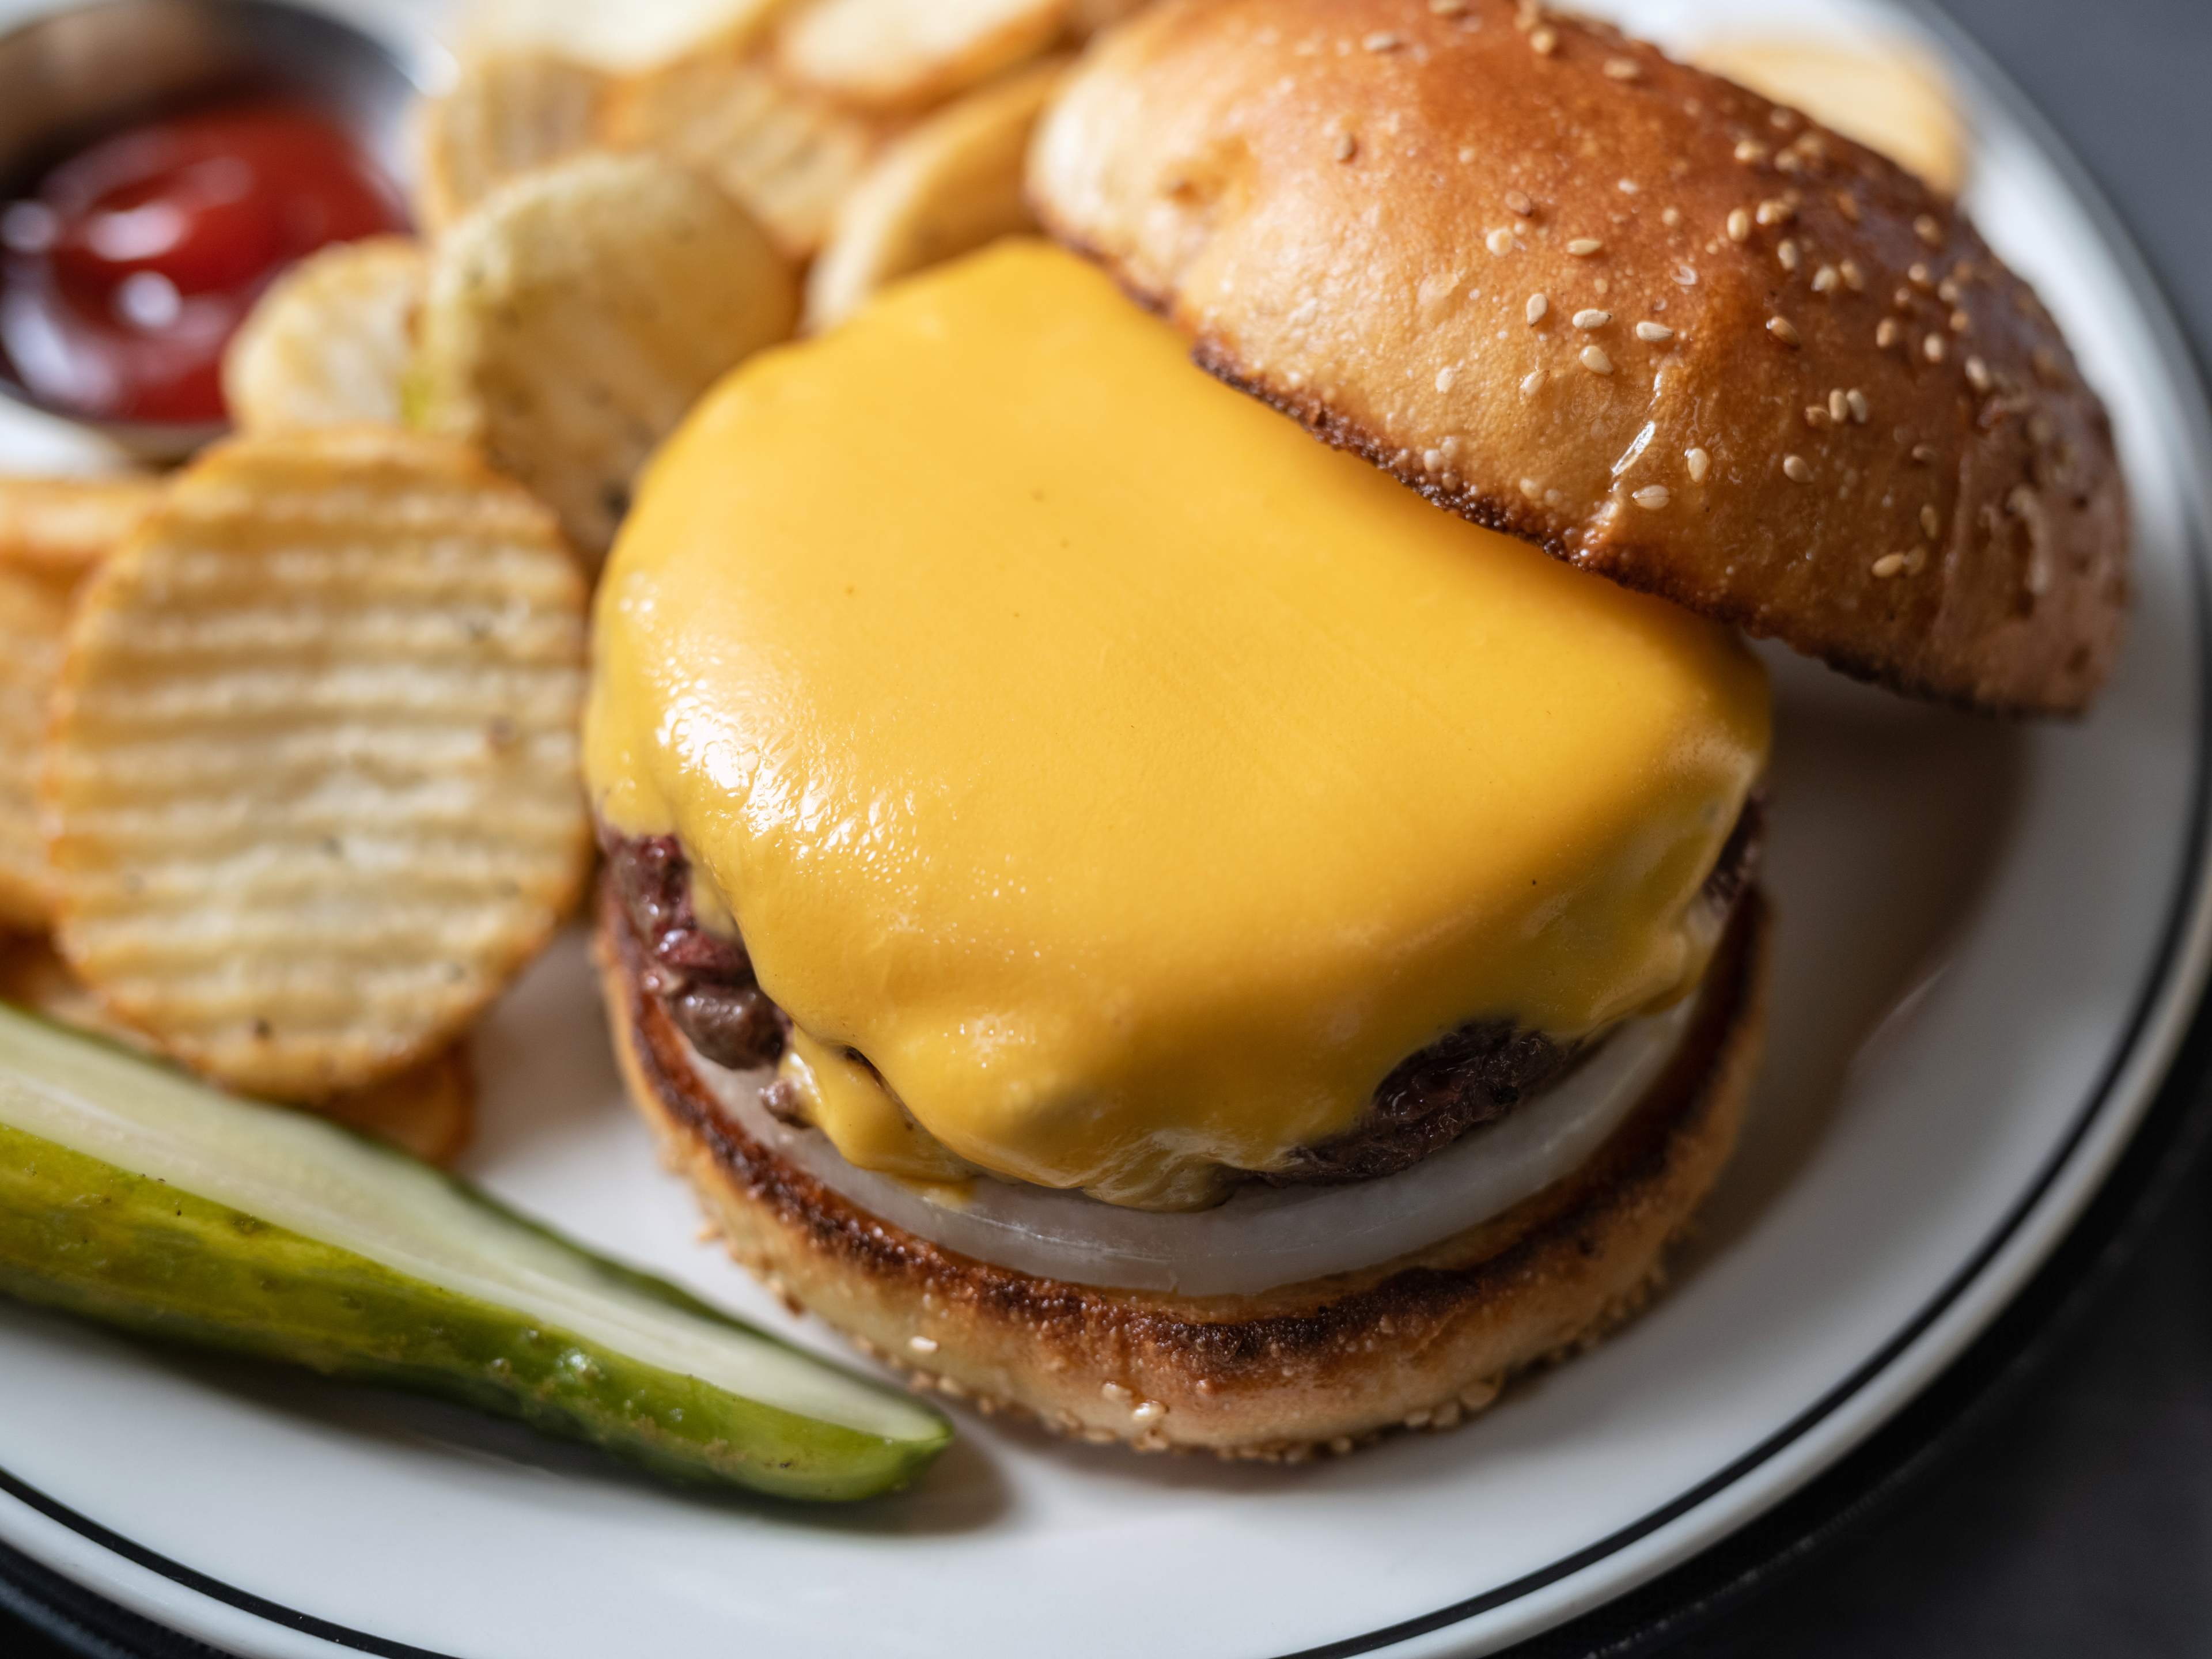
x=62 y=527
x=633 y=35
x=948 y=186
x=787 y=155
x=574 y=319
x=34 y=613
x=511 y=112
x=908 y=54
x=329 y=344
x=311 y=793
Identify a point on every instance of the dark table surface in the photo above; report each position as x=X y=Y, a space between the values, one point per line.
x=2073 y=1516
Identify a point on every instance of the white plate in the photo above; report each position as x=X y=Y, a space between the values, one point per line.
x=1989 y=936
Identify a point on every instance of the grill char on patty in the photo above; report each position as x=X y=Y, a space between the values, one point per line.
x=1473 y=1075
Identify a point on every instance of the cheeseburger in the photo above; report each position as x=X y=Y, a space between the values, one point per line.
x=1224 y=940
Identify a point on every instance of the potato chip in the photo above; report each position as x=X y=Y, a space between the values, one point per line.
x=1896 y=99
x=632 y=35
x=330 y=341
x=428 y=1109
x=948 y=186
x=34 y=612
x=32 y=975
x=903 y=54
x=1090 y=16
x=311 y=787
x=64 y=527
x=573 y=318
x=787 y=155
x=510 y=113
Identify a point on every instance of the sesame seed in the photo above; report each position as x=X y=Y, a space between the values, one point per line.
x=1948 y=290
x=1594 y=360
x=1924 y=453
x=1448 y=8
x=1445 y=376
x=1518 y=202
x=1825 y=280
x=1592 y=318
x=1543 y=42
x=1978 y=374
x=1466 y=153
x=1699 y=463
x=1739 y=225
x=1886 y=333
x=1346 y=148
x=1622 y=68
x=1116 y=1392
x=1538 y=305
x=1531 y=488
x=1654 y=333
x=1652 y=497
x=1432 y=460
x=922 y=1344
x=1774 y=211
x=1917 y=274
x=1932 y=348
x=1150 y=1412
x=1856 y=401
x=1382 y=40
x=1848 y=205
x=1795 y=469
x=1670 y=217
x=1961 y=322
x=1928 y=230
x=1785 y=331
x=1816 y=415
x=1854 y=278
x=1499 y=240
x=1786 y=251
x=1840 y=407
x=1582 y=246
x=1889 y=565
x=1532 y=382
x=1930 y=522
x=1686 y=276
x=1750 y=152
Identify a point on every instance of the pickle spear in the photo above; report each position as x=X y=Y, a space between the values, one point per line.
x=137 y=1196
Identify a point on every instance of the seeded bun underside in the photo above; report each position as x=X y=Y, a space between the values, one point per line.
x=1324 y=1365
x=1671 y=331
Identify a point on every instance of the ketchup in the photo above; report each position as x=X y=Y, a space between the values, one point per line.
x=124 y=271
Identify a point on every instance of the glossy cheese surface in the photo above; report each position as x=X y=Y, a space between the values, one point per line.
x=1128 y=779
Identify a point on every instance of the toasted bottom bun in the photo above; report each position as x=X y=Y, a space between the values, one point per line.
x=1326 y=1364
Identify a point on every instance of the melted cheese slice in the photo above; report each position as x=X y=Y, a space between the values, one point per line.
x=1111 y=780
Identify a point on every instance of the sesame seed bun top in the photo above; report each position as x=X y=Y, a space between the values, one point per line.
x=1673 y=332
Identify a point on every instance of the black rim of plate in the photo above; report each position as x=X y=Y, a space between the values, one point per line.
x=1834 y=1503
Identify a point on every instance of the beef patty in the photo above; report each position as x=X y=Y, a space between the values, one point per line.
x=1471 y=1076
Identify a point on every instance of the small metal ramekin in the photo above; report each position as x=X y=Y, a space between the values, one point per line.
x=67 y=76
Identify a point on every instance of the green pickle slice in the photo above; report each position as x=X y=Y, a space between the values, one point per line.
x=135 y=1195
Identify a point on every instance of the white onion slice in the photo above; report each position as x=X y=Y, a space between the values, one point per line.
x=1262 y=1236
